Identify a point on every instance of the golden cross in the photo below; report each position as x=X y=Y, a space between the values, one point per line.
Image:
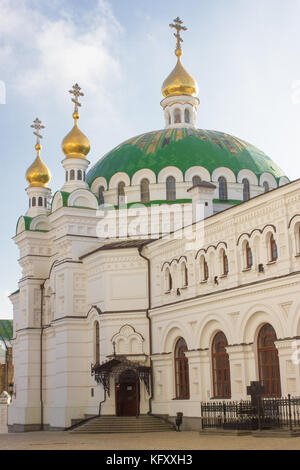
x=178 y=26
x=37 y=126
x=76 y=91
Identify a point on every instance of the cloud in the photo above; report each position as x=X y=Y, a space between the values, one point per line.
x=45 y=54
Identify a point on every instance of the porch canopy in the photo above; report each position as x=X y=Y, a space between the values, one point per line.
x=114 y=367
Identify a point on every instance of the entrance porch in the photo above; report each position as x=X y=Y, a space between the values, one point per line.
x=126 y=386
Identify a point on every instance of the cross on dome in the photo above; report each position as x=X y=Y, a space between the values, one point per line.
x=178 y=26
x=37 y=125
x=76 y=91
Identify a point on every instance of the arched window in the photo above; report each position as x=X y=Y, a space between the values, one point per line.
x=181 y=370
x=45 y=202
x=205 y=270
x=177 y=116
x=266 y=186
x=171 y=188
x=221 y=367
x=184 y=275
x=273 y=249
x=168 y=281
x=297 y=236
x=67 y=175
x=268 y=362
x=186 y=116
x=121 y=189
x=223 y=193
x=196 y=180
x=145 y=192
x=40 y=202
x=248 y=256
x=169 y=118
x=84 y=175
x=33 y=202
x=101 y=195
x=79 y=175
x=97 y=343
x=246 y=190
x=72 y=175
x=225 y=265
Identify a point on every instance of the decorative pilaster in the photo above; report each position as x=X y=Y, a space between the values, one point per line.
x=289 y=366
x=242 y=369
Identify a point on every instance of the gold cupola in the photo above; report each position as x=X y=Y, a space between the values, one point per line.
x=179 y=82
x=76 y=144
x=38 y=175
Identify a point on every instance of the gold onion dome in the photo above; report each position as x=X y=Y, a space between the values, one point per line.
x=179 y=82
x=38 y=174
x=76 y=144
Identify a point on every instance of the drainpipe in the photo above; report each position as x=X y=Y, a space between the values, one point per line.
x=150 y=323
x=41 y=356
x=102 y=402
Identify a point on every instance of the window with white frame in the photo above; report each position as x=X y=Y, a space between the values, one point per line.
x=223 y=190
x=171 y=188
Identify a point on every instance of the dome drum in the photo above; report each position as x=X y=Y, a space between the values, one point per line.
x=39 y=199
x=180 y=111
x=75 y=169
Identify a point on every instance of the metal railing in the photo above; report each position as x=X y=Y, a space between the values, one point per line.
x=243 y=415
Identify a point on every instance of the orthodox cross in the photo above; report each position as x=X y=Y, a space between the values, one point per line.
x=76 y=91
x=256 y=391
x=178 y=26
x=37 y=125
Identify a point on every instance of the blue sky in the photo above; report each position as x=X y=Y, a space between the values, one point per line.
x=245 y=55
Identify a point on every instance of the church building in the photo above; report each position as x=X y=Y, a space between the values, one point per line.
x=166 y=275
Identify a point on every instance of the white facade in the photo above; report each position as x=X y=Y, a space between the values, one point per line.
x=72 y=280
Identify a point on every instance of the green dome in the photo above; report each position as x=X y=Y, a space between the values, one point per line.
x=183 y=148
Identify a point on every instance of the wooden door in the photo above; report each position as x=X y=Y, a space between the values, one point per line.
x=127 y=396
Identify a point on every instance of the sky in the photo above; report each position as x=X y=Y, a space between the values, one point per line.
x=244 y=54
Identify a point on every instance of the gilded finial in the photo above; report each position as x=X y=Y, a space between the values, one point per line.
x=76 y=91
x=178 y=26
x=38 y=175
x=179 y=82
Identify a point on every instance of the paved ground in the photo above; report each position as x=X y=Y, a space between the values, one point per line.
x=153 y=441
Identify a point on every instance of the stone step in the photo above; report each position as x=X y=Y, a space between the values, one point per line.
x=117 y=424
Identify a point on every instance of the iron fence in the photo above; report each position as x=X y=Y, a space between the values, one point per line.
x=243 y=415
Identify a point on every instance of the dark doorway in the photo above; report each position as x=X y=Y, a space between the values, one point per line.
x=127 y=394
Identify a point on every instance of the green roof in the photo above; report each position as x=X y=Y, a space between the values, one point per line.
x=65 y=197
x=6 y=329
x=27 y=222
x=183 y=148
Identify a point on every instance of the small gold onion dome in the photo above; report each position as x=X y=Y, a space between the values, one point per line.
x=76 y=144
x=38 y=174
x=179 y=82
